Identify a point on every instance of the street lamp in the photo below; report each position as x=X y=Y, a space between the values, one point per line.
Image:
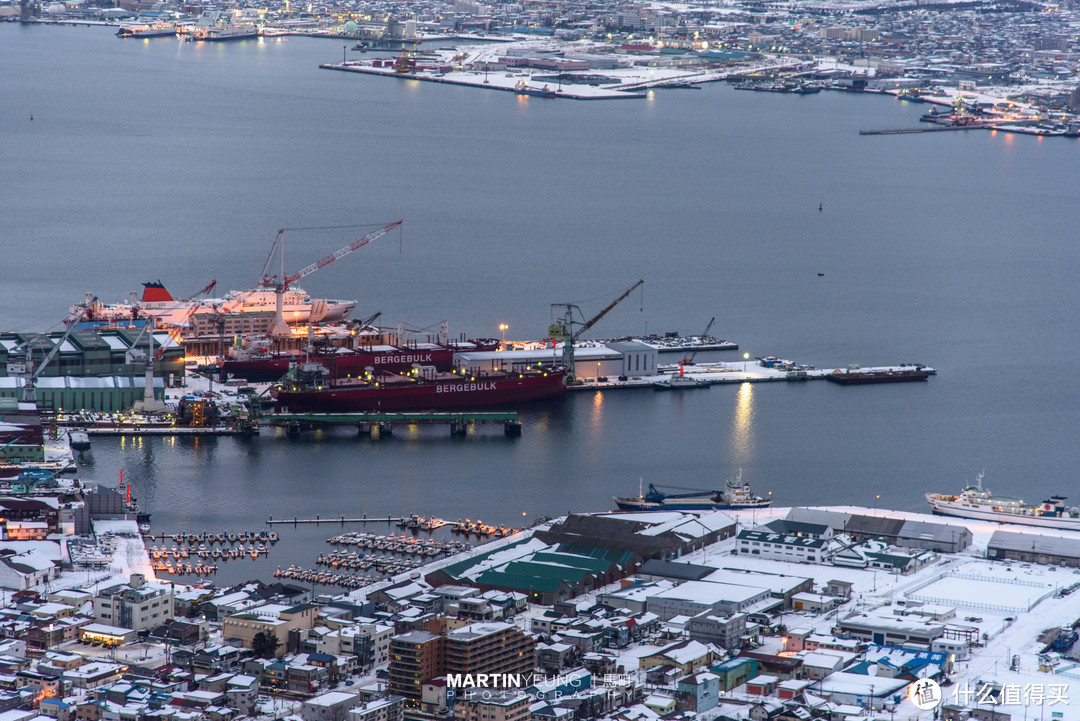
x=502 y=329
x=745 y=361
x=597 y=371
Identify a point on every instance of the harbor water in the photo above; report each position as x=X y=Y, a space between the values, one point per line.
x=155 y=159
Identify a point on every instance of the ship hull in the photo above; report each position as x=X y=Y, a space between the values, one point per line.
x=944 y=508
x=224 y=37
x=256 y=371
x=158 y=30
x=425 y=395
x=856 y=378
x=355 y=363
x=636 y=504
x=147 y=34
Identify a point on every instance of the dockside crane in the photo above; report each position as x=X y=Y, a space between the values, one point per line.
x=688 y=359
x=406 y=62
x=280 y=283
x=148 y=404
x=365 y=322
x=28 y=371
x=563 y=330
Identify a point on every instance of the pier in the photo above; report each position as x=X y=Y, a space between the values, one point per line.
x=930 y=129
x=341 y=520
x=379 y=424
x=768 y=370
x=478 y=79
x=156 y=429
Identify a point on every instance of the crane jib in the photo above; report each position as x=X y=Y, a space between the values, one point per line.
x=358 y=243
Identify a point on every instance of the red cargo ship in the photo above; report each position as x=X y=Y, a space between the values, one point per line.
x=260 y=365
x=434 y=391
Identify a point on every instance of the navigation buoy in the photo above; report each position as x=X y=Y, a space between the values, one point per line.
x=819 y=207
x=31 y=117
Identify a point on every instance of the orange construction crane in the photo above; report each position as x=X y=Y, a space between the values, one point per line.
x=406 y=62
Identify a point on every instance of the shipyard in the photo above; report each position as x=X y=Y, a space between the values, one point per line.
x=329 y=390
x=580 y=595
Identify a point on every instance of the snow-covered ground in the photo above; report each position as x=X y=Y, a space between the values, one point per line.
x=1009 y=605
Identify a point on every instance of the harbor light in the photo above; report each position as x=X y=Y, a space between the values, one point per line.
x=746 y=360
x=503 y=327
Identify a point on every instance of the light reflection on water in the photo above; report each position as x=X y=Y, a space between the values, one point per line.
x=597 y=416
x=742 y=429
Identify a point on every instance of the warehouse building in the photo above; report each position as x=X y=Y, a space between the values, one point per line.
x=1034 y=548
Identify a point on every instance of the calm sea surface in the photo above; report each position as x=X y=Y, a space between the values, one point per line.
x=150 y=159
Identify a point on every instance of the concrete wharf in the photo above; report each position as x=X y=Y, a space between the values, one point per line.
x=929 y=129
x=478 y=80
x=750 y=371
x=156 y=429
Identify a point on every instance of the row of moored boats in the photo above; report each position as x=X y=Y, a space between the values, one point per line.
x=254 y=550
x=359 y=562
x=403 y=544
x=326 y=578
x=224 y=537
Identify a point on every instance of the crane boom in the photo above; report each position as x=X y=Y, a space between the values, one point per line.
x=29 y=388
x=280 y=283
x=689 y=358
x=605 y=311
x=564 y=330
x=358 y=243
x=369 y=320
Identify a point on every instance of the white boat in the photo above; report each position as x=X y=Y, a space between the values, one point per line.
x=976 y=503
x=156 y=302
x=215 y=25
x=678 y=382
x=147 y=30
